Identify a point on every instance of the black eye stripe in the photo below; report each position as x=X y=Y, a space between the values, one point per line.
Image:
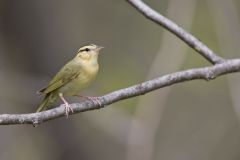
x=86 y=49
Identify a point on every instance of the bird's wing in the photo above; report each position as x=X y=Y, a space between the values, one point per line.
x=65 y=75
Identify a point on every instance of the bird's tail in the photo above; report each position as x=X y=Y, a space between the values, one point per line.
x=46 y=102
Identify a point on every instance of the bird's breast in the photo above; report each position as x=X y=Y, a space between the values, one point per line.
x=83 y=80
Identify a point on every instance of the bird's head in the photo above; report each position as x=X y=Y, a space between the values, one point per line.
x=89 y=52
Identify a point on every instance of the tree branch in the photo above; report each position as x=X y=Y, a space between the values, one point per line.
x=178 y=31
x=221 y=67
x=206 y=73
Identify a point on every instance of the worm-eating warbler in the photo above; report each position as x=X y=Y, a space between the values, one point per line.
x=76 y=75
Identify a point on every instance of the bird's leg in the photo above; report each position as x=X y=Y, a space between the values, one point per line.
x=68 y=108
x=91 y=98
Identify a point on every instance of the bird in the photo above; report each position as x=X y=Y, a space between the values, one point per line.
x=72 y=78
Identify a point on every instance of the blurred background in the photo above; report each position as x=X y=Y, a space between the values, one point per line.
x=194 y=120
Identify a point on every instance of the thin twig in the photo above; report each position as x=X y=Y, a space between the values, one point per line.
x=145 y=126
x=221 y=67
x=178 y=31
x=206 y=73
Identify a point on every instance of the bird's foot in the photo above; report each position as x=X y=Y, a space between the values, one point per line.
x=68 y=109
x=95 y=99
x=91 y=98
x=67 y=106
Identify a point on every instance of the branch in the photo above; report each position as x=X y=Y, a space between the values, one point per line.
x=178 y=31
x=221 y=67
x=205 y=73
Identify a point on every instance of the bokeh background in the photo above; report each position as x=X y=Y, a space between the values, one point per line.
x=194 y=120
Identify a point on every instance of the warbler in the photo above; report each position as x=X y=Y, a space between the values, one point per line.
x=74 y=76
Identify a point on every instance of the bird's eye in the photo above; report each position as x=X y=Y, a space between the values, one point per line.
x=87 y=49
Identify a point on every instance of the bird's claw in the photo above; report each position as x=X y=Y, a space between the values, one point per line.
x=67 y=106
x=68 y=109
x=95 y=99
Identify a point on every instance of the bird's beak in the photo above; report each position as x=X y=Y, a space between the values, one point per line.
x=99 y=48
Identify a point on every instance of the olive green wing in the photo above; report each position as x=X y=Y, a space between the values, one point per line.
x=65 y=75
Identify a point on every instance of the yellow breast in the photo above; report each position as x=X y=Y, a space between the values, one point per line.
x=87 y=74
